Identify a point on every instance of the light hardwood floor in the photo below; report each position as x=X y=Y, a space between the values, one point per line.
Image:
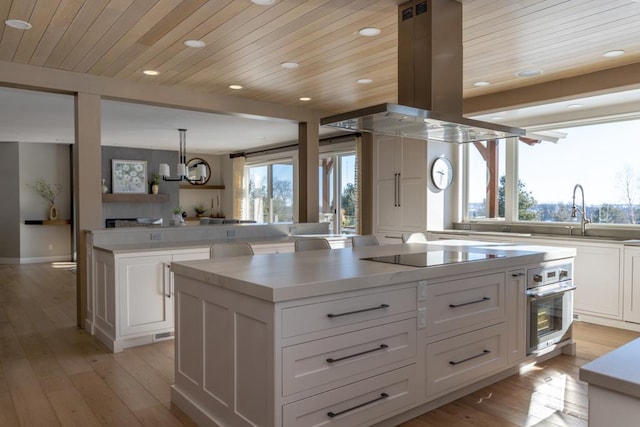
x=52 y=373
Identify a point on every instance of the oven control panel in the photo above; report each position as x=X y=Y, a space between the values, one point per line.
x=546 y=275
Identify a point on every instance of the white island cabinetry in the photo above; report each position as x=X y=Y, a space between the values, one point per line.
x=133 y=295
x=327 y=338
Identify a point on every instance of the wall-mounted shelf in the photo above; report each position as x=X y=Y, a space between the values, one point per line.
x=201 y=187
x=135 y=198
x=47 y=221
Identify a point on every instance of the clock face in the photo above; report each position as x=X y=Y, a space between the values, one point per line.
x=442 y=173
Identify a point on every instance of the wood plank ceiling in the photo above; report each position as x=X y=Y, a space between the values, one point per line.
x=246 y=43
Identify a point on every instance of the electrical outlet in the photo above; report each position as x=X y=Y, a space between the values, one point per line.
x=292 y=230
x=156 y=236
x=231 y=233
x=466 y=226
x=506 y=228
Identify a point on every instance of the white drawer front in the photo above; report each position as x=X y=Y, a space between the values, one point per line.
x=467 y=302
x=360 y=403
x=464 y=359
x=319 y=362
x=331 y=314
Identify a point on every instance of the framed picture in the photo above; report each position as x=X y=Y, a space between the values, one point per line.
x=129 y=176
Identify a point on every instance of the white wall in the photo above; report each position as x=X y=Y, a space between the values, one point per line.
x=42 y=243
x=441 y=203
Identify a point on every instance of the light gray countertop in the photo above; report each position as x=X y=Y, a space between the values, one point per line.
x=616 y=371
x=159 y=245
x=287 y=276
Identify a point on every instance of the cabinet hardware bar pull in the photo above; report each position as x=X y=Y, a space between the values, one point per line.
x=399 y=189
x=469 y=358
x=335 y=414
x=517 y=275
x=331 y=315
x=382 y=347
x=470 y=302
x=395 y=189
x=392 y=237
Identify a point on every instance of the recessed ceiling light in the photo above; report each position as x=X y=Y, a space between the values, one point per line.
x=264 y=2
x=364 y=81
x=151 y=72
x=369 y=31
x=235 y=87
x=481 y=84
x=528 y=73
x=497 y=118
x=289 y=65
x=194 y=43
x=305 y=98
x=613 y=53
x=17 y=23
x=574 y=105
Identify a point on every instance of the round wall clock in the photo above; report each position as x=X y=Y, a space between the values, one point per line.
x=442 y=173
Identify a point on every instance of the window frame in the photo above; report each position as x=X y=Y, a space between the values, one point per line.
x=269 y=161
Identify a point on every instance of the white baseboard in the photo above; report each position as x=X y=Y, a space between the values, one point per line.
x=613 y=323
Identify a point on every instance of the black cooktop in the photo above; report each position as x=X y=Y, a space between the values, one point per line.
x=433 y=258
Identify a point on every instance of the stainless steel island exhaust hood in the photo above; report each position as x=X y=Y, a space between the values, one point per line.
x=429 y=82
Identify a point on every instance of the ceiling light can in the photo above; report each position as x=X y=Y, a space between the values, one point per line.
x=305 y=98
x=151 y=72
x=194 y=43
x=18 y=24
x=289 y=65
x=529 y=73
x=235 y=87
x=369 y=31
x=364 y=81
x=482 y=84
x=613 y=53
x=263 y=2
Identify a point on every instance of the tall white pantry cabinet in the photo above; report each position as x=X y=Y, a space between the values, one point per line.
x=400 y=196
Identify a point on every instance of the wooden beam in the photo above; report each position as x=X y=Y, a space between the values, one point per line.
x=308 y=154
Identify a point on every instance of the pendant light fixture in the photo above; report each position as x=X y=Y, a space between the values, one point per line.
x=201 y=171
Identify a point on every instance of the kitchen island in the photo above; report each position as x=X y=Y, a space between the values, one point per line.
x=347 y=336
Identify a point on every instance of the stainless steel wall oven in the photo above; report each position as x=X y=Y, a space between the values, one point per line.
x=550 y=306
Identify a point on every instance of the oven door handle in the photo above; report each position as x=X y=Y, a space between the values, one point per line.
x=532 y=294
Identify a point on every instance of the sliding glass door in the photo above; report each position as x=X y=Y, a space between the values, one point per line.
x=338 y=195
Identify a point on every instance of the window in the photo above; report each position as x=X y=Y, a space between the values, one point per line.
x=269 y=195
x=601 y=157
x=486 y=171
x=337 y=175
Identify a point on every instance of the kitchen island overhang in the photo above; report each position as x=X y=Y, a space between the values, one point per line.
x=283 y=277
x=327 y=337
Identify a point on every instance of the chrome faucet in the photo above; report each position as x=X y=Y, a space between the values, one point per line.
x=583 y=220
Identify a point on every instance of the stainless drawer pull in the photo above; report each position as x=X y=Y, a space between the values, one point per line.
x=335 y=414
x=469 y=303
x=331 y=315
x=382 y=347
x=469 y=358
x=393 y=237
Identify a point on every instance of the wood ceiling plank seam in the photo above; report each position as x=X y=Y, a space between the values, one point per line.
x=300 y=53
x=177 y=15
x=101 y=25
x=174 y=46
x=336 y=74
x=40 y=17
x=563 y=48
x=530 y=33
x=224 y=35
x=312 y=86
x=126 y=48
x=83 y=20
x=56 y=28
x=251 y=47
x=168 y=46
x=120 y=27
x=297 y=47
x=11 y=36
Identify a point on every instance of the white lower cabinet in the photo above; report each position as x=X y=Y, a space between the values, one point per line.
x=464 y=359
x=355 y=404
x=631 y=284
x=133 y=296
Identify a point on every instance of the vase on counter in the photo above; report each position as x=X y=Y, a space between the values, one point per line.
x=53 y=212
x=105 y=189
x=154 y=189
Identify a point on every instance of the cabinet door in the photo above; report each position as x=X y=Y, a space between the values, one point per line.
x=516 y=316
x=387 y=182
x=145 y=299
x=597 y=280
x=631 y=285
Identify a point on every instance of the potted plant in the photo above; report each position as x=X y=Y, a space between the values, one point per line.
x=177 y=216
x=200 y=210
x=49 y=193
x=155 y=181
